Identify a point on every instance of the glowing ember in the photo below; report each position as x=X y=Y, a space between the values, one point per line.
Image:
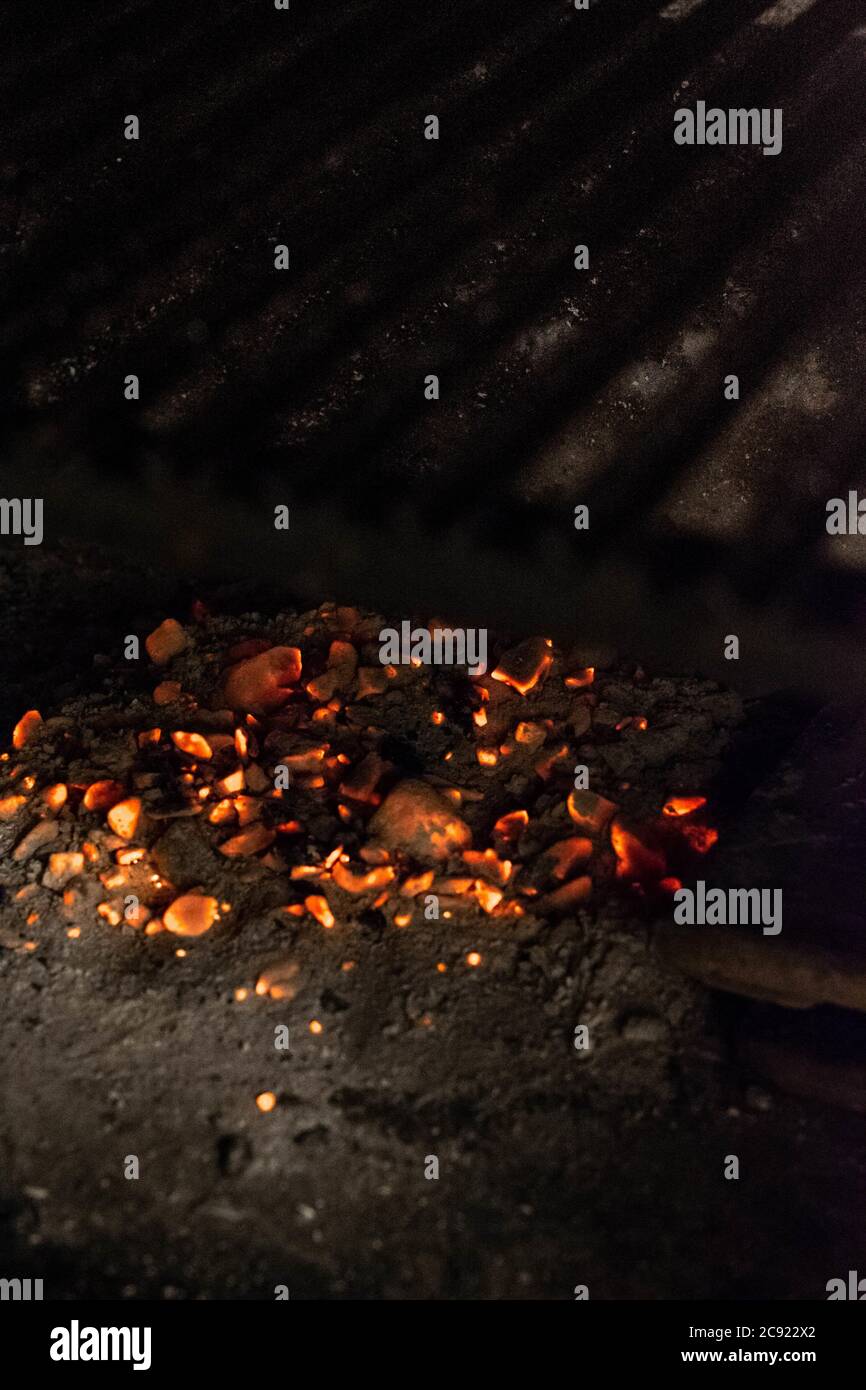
x=166 y=642
x=401 y=837
x=235 y=782
x=454 y=886
x=130 y=856
x=488 y=863
x=533 y=735
x=191 y=915
x=279 y=980
x=637 y=862
x=124 y=817
x=62 y=867
x=488 y=897
x=289 y=827
x=683 y=805
x=374 y=854
x=343 y=659
x=26 y=728
x=263 y=683
x=248 y=809
x=566 y=855
x=474 y=959
x=266 y=1101
x=101 y=796
x=222 y=812
x=362 y=781
x=415 y=818
x=589 y=811
x=362 y=883
x=511 y=826
x=308 y=760
x=192 y=744
x=136 y=916
x=321 y=688
x=318 y=907
x=55 y=796
x=545 y=764
x=417 y=883
x=251 y=841
x=578 y=679
x=525 y=665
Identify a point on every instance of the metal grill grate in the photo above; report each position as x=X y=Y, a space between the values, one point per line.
x=452 y=257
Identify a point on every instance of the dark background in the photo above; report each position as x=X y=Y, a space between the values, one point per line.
x=410 y=256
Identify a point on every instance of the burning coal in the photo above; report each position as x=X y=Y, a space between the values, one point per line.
x=294 y=757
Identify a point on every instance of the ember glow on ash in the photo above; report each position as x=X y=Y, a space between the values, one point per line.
x=397 y=788
x=637 y=862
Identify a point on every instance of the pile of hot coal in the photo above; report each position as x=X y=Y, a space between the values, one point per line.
x=239 y=751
